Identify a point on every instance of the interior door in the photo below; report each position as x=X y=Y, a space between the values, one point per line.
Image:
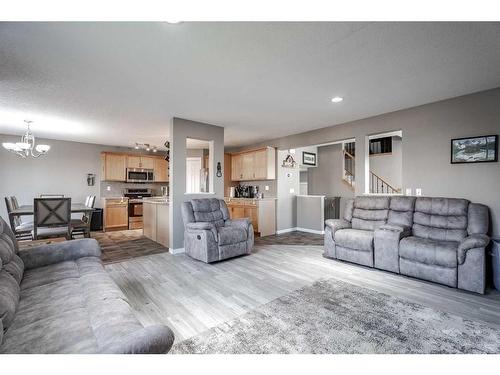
x=193 y=180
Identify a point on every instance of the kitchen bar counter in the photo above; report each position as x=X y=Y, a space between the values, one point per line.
x=155 y=219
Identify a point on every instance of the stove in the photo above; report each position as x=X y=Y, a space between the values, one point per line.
x=135 y=197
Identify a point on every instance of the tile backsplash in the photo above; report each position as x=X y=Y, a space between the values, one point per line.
x=117 y=188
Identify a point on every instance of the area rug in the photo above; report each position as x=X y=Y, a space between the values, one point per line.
x=332 y=316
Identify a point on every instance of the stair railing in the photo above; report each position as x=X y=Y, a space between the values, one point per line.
x=379 y=186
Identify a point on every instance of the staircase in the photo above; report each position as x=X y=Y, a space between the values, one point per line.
x=377 y=184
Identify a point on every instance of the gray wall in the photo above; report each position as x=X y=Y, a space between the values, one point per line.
x=180 y=130
x=62 y=171
x=427 y=131
x=287 y=178
x=326 y=178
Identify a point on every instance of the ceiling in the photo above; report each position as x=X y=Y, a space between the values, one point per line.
x=121 y=83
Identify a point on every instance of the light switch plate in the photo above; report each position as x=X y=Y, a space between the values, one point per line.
x=292 y=190
x=418 y=191
x=408 y=191
x=267 y=188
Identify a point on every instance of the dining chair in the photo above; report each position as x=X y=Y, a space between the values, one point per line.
x=81 y=226
x=52 y=218
x=22 y=229
x=51 y=195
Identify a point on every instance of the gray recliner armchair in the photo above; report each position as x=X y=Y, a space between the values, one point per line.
x=210 y=235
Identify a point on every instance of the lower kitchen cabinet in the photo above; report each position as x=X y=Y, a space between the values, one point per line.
x=115 y=214
x=262 y=213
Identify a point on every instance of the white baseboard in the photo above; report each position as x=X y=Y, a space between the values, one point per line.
x=310 y=230
x=286 y=230
x=177 y=251
x=298 y=229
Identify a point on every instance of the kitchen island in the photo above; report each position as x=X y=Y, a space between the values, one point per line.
x=156 y=219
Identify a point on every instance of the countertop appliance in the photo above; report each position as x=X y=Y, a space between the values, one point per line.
x=135 y=197
x=140 y=175
x=246 y=191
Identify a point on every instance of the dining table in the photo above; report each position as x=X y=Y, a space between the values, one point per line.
x=28 y=209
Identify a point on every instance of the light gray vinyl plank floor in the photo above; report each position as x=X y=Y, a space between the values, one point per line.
x=191 y=297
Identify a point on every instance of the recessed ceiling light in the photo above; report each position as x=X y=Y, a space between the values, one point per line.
x=337 y=99
x=173 y=22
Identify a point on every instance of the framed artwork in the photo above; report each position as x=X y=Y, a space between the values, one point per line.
x=482 y=149
x=308 y=158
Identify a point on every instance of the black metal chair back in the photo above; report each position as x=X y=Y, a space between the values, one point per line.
x=52 y=212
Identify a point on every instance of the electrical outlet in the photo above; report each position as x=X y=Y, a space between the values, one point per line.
x=292 y=190
x=267 y=188
x=408 y=191
x=418 y=191
x=108 y=188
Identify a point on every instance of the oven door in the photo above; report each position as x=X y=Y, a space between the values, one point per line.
x=137 y=176
x=135 y=209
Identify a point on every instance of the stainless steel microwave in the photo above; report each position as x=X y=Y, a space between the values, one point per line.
x=140 y=175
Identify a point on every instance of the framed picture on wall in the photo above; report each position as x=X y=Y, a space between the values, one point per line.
x=308 y=158
x=481 y=149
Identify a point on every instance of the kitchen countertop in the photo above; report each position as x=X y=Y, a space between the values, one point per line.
x=253 y=199
x=157 y=200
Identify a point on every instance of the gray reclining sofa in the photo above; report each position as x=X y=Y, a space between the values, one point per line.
x=210 y=235
x=59 y=299
x=437 y=239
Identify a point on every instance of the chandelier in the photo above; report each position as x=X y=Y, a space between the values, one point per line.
x=27 y=146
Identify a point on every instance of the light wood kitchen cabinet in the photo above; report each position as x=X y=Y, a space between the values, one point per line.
x=236 y=173
x=254 y=165
x=261 y=212
x=160 y=170
x=115 y=213
x=113 y=167
x=138 y=161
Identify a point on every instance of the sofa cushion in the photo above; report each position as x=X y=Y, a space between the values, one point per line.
x=369 y=213
x=231 y=235
x=401 y=211
x=209 y=210
x=428 y=251
x=69 y=307
x=11 y=273
x=443 y=219
x=355 y=239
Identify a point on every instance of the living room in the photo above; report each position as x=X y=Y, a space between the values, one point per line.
x=220 y=188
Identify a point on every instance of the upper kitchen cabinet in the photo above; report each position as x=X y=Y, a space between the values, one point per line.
x=143 y=162
x=161 y=170
x=254 y=165
x=113 y=166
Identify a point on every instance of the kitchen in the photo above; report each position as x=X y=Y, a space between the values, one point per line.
x=134 y=194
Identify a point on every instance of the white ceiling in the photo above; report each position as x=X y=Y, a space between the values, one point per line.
x=120 y=83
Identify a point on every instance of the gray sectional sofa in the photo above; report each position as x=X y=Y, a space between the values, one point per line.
x=210 y=235
x=437 y=239
x=59 y=299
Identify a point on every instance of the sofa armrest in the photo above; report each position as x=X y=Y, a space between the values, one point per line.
x=471 y=242
x=403 y=231
x=241 y=223
x=336 y=224
x=156 y=339
x=44 y=255
x=202 y=225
